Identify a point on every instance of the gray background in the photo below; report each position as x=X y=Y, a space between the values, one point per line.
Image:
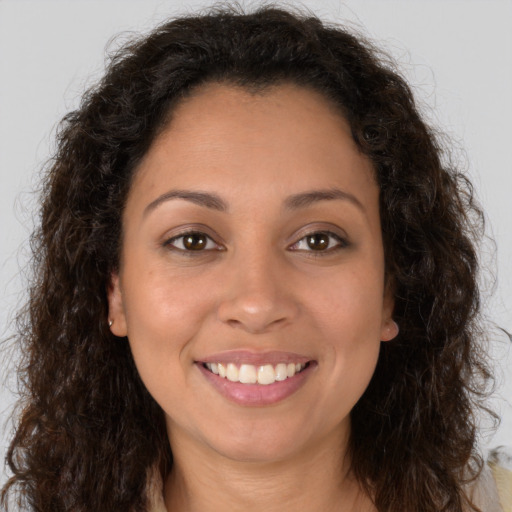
x=456 y=54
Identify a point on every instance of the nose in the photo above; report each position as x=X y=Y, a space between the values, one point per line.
x=257 y=296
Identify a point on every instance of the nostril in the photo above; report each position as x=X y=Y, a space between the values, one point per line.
x=255 y=310
x=254 y=325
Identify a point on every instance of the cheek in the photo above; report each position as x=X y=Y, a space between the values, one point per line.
x=163 y=314
x=162 y=301
x=349 y=319
x=350 y=304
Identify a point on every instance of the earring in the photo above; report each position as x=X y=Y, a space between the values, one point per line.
x=110 y=322
x=391 y=331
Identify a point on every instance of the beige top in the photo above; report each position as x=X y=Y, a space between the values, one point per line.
x=485 y=494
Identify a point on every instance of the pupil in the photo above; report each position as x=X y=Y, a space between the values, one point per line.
x=318 y=241
x=194 y=242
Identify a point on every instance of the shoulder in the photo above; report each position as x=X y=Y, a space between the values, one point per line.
x=500 y=462
x=155 y=491
x=485 y=494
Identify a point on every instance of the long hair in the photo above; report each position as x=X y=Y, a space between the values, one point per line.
x=89 y=431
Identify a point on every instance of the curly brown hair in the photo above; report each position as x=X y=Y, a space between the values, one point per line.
x=89 y=430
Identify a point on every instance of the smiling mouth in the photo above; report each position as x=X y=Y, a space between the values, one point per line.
x=256 y=374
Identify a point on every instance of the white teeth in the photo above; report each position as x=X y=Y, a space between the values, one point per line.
x=247 y=374
x=266 y=374
x=250 y=374
x=213 y=367
x=232 y=373
x=281 y=372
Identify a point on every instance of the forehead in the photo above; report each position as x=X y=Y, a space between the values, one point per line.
x=284 y=140
x=224 y=106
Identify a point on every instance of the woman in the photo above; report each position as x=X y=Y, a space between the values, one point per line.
x=254 y=276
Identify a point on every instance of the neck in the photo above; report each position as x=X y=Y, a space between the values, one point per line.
x=314 y=479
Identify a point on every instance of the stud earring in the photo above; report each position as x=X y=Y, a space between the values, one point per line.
x=391 y=331
x=110 y=322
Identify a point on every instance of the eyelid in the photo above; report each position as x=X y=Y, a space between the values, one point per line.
x=342 y=240
x=332 y=232
x=192 y=230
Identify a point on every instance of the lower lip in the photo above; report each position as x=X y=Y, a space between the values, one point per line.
x=257 y=394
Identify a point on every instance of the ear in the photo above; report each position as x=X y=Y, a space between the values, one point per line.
x=116 y=315
x=389 y=328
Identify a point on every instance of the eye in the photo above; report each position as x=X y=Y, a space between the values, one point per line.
x=192 y=241
x=319 y=241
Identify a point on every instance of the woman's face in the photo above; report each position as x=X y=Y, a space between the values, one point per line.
x=252 y=247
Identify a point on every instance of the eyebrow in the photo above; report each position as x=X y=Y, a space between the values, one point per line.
x=294 y=202
x=303 y=200
x=206 y=199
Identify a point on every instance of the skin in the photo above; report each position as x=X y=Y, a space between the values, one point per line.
x=257 y=286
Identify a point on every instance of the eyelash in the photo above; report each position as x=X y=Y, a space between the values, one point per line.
x=190 y=252
x=340 y=243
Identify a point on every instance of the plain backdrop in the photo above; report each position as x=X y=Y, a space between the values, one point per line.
x=457 y=55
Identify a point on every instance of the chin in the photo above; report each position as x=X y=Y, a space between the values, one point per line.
x=263 y=442
x=260 y=451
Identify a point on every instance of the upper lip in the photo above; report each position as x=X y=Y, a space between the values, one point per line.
x=255 y=358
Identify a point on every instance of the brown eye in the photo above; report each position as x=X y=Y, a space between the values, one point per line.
x=195 y=241
x=318 y=241
x=192 y=242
